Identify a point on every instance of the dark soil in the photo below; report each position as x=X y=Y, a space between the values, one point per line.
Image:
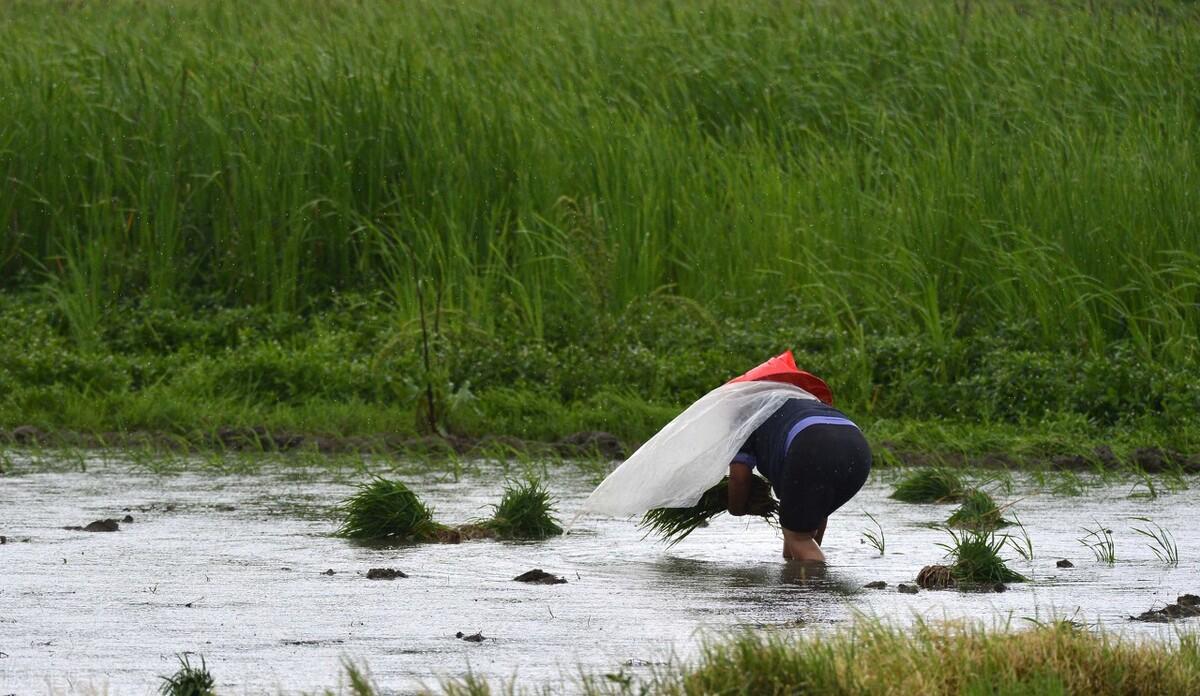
x=331 y=571
x=907 y=589
x=877 y=585
x=473 y=638
x=384 y=574
x=3 y=539
x=1185 y=607
x=470 y=532
x=1064 y=563
x=537 y=576
x=108 y=525
x=936 y=577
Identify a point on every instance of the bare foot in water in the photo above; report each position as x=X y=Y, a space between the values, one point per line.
x=801 y=546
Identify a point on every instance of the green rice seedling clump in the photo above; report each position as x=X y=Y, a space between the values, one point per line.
x=526 y=511
x=383 y=509
x=672 y=525
x=933 y=485
x=978 y=512
x=977 y=559
x=188 y=680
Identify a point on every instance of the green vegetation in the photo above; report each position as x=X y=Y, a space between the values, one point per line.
x=188 y=680
x=1050 y=659
x=526 y=511
x=978 y=512
x=383 y=509
x=932 y=485
x=530 y=218
x=977 y=559
x=672 y=525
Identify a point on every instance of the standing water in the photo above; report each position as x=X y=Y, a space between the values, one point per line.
x=236 y=568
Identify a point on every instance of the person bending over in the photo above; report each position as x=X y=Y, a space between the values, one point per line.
x=815 y=458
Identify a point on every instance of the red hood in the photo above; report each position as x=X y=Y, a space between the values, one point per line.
x=782 y=368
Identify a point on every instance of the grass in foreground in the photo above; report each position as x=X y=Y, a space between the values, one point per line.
x=872 y=659
x=978 y=512
x=672 y=525
x=526 y=511
x=383 y=509
x=188 y=680
x=977 y=559
x=933 y=485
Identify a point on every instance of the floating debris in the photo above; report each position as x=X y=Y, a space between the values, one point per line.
x=537 y=576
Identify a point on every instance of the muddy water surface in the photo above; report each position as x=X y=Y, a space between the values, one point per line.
x=235 y=567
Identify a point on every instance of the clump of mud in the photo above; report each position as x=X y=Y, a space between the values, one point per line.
x=106 y=525
x=537 y=576
x=1185 y=607
x=1064 y=563
x=473 y=638
x=876 y=585
x=385 y=574
x=936 y=577
x=907 y=589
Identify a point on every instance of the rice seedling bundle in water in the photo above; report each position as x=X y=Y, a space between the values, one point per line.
x=383 y=509
x=977 y=559
x=978 y=512
x=525 y=512
x=672 y=525
x=933 y=485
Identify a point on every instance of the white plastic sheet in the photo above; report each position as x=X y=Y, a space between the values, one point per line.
x=692 y=453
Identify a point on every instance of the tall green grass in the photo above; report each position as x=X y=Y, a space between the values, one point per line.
x=899 y=168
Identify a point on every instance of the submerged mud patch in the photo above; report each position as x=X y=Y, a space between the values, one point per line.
x=1185 y=607
x=537 y=576
x=105 y=525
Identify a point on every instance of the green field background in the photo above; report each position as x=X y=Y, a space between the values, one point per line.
x=981 y=212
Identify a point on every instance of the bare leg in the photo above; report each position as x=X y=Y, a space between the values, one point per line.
x=801 y=546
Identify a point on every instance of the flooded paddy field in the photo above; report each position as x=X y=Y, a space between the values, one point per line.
x=236 y=567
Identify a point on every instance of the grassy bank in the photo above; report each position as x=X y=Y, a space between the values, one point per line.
x=1054 y=659
x=979 y=226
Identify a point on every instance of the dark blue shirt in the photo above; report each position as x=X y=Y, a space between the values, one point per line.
x=768 y=444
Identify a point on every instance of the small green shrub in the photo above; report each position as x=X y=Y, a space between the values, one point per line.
x=932 y=485
x=188 y=681
x=978 y=512
x=977 y=559
x=524 y=512
x=383 y=509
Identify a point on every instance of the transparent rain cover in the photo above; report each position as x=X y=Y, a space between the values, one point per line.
x=692 y=453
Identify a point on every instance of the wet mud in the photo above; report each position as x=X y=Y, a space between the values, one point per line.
x=105 y=525
x=385 y=574
x=537 y=576
x=1185 y=607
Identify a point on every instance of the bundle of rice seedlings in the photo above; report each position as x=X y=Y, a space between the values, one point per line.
x=977 y=559
x=932 y=485
x=672 y=525
x=383 y=509
x=188 y=681
x=525 y=512
x=978 y=512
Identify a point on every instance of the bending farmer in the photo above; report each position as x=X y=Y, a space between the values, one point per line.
x=815 y=458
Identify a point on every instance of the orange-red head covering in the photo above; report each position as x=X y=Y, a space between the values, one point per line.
x=782 y=368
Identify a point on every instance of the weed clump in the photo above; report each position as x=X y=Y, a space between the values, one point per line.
x=383 y=509
x=978 y=512
x=933 y=485
x=977 y=559
x=188 y=681
x=524 y=512
x=672 y=525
